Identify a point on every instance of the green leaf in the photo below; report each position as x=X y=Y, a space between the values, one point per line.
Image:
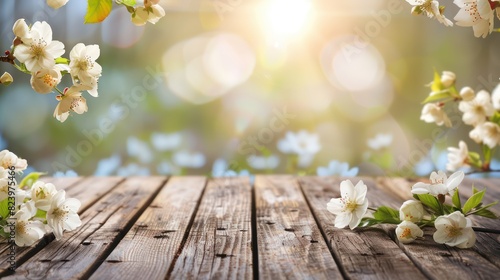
x=486 y=213
x=98 y=10
x=456 y=199
x=448 y=209
x=366 y=222
x=4 y=209
x=41 y=214
x=474 y=190
x=438 y=95
x=436 y=83
x=30 y=179
x=473 y=201
x=386 y=214
x=487 y=152
x=495 y=118
x=62 y=60
x=130 y=3
x=431 y=202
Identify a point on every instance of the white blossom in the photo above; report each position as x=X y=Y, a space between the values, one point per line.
x=434 y=113
x=42 y=194
x=337 y=168
x=70 y=101
x=27 y=231
x=495 y=96
x=56 y=4
x=152 y=13
x=63 y=214
x=21 y=29
x=454 y=230
x=487 y=133
x=431 y=9
x=84 y=68
x=44 y=80
x=475 y=13
x=8 y=159
x=303 y=144
x=38 y=50
x=263 y=162
x=467 y=94
x=351 y=207
x=381 y=140
x=139 y=149
x=440 y=184
x=476 y=110
x=448 y=79
x=189 y=159
x=411 y=210
x=166 y=142
x=457 y=157
x=407 y=232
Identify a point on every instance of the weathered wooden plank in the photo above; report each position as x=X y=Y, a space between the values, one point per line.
x=365 y=253
x=103 y=225
x=487 y=244
x=290 y=244
x=219 y=242
x=454 y=263
x=148 y=249
x=72 y=187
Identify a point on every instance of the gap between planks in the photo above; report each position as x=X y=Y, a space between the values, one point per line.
x=73 y=186
x=36 y=262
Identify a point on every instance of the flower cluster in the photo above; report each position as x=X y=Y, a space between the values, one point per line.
x=480 y=110
x=453 y=227
x=151 y=12
x=40 y=56
x=478 y=14
x=36 y=207
x=97 y=11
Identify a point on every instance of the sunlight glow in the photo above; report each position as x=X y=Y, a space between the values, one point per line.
x=285 y=18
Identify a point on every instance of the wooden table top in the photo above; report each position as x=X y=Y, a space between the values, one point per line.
x=225 y=228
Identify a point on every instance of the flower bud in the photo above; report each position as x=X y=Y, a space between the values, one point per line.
x=149 y=3
x=56 y=4
x=6 y=79
x=467 y=93
x=412 y=211
x=448 y=79
x=407 y=232
x=495 y=97
x=21 y=29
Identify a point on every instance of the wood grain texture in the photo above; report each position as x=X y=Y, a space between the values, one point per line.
x=103 y=225
x=148 y=249
x=365 y=253
x=219 y=242
x=454 y=263
x=73 y=187
x=487 y=244
x=290 y=245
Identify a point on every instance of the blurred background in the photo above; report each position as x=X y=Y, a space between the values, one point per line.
x=215 y=85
